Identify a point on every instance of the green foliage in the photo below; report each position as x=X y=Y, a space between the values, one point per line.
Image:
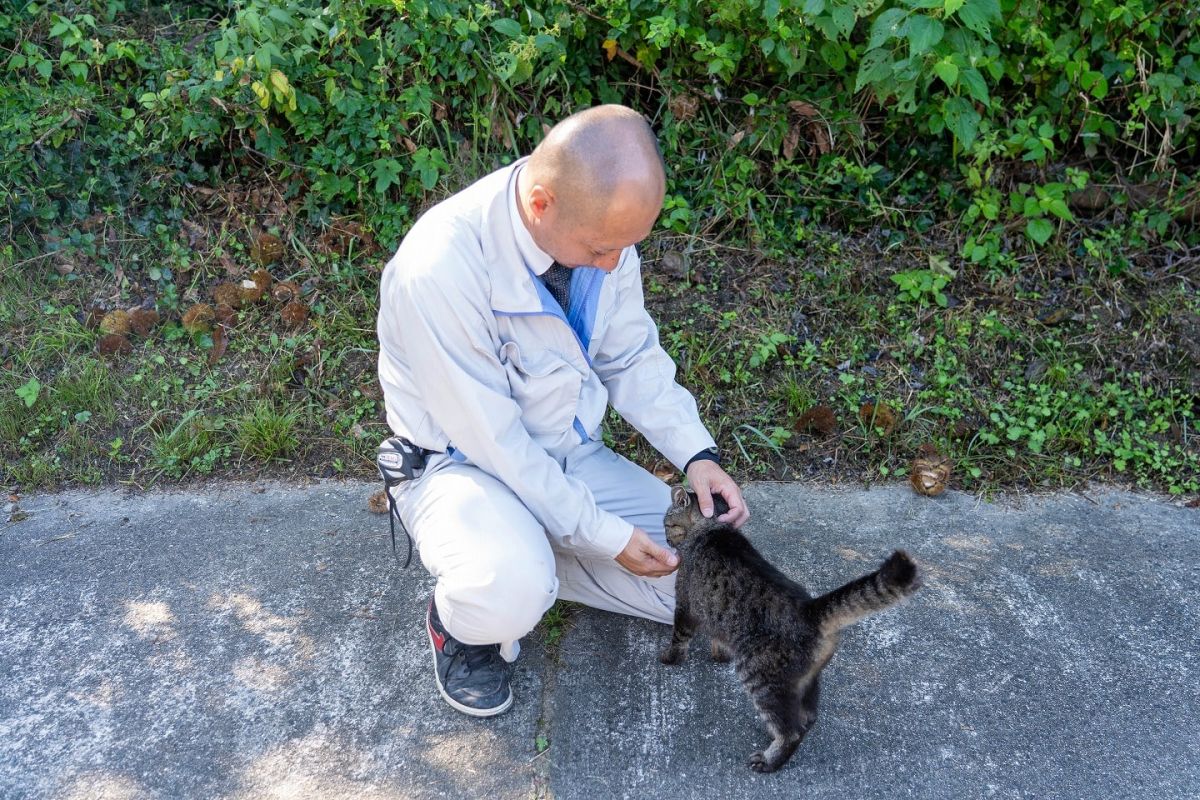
x=378 y=108
x=267 y=433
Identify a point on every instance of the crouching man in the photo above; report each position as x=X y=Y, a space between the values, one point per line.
x=510 y=319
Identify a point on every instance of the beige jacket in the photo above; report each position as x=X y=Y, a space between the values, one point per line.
x=477 y=360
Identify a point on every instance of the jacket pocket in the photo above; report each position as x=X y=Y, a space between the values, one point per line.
x=545 y=385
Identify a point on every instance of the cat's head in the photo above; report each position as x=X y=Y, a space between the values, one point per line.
x=684 y=517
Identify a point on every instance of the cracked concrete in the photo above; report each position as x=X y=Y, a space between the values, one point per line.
x=258 y=641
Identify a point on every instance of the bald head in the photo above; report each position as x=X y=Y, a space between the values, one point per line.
x=600 y=160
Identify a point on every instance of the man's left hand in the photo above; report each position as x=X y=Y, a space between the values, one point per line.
x=706 y=479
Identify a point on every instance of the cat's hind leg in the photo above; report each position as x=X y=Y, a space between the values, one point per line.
x=780 y=708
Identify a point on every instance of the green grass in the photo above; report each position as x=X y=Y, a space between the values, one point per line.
x=266 y=433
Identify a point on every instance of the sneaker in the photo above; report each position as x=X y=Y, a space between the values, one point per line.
x=473 y=679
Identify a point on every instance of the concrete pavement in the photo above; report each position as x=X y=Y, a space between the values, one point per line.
x=248 y=641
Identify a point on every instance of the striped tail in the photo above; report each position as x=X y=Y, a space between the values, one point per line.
x=891 y=583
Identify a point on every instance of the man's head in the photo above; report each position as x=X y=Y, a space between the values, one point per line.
x=593 y=187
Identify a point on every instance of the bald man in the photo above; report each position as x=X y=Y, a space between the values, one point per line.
x=510 y=319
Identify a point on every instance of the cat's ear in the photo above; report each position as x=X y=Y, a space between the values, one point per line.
x=680 y=497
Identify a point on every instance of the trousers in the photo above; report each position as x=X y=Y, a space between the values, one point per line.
x=496 y=570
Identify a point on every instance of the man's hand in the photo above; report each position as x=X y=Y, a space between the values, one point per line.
x=643 y=557
x=706 y=478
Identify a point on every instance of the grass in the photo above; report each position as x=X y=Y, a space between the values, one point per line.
x=1013 y=401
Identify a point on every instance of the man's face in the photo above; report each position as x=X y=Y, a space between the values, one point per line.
x=575 y=240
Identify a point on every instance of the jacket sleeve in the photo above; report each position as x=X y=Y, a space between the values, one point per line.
x=640 y=376
x=448 y=338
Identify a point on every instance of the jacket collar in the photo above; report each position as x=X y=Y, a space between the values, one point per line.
x=515 y=285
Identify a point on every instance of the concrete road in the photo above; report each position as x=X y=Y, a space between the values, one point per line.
x=258 y=641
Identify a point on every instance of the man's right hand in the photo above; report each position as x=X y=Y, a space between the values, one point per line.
x=642 y=556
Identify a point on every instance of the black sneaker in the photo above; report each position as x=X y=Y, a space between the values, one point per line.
x=473 y=679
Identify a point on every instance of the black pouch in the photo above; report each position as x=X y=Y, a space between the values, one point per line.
x=399 y=460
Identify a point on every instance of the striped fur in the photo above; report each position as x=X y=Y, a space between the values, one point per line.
x=778 y=637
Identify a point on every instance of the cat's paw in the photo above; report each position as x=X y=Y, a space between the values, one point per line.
x=759 y=763
x=670 y=656
x=720 y=653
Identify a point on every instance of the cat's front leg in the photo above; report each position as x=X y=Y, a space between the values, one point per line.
x=681 y=634
x=720 y=651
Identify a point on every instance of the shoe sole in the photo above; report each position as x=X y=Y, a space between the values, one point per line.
x=457 y=706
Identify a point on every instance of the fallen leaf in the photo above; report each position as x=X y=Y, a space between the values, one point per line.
x=220 y=342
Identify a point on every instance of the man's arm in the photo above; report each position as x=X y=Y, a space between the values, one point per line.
x=640 y=378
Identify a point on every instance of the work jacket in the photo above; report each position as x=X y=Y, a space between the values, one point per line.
x=478 y=361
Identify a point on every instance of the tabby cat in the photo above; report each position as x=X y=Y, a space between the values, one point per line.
x=778 y=636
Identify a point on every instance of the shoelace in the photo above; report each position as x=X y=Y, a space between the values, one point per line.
x=472 y=657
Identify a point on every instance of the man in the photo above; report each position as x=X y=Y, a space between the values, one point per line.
x=510 y=318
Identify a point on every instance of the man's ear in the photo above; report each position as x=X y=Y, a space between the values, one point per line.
x=540 y=200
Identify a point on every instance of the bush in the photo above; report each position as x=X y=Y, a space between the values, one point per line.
x=772 y=114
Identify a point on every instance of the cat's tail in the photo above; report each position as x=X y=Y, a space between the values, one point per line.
x=891 y=583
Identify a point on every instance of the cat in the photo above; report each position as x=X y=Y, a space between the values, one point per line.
x=778 y=636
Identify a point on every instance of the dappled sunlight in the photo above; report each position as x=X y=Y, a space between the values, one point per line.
x=488 y=752
x=276 y=631
x=103 y=786
x=311 y=768
x=102 y=697
x=153 y=620
x=256 y=674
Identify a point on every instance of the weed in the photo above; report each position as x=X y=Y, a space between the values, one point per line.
x=267 y=433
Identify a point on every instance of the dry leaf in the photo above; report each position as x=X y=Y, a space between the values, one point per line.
x=220 y=341
x=610 y=48
x=808 y=123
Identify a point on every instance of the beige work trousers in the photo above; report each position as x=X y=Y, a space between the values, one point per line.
x=496 y=570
